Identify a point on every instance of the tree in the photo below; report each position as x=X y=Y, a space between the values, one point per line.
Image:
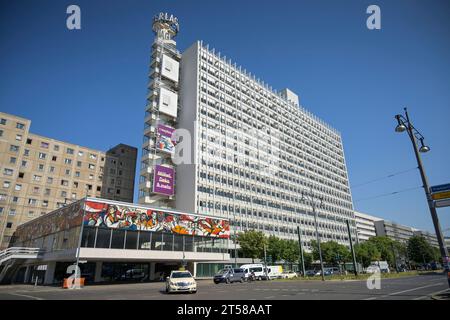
x=332 y=252
x=420 y=251
x=385 y=247
x=275 y=248
x=290 y=252
x=366 y=252
x=252 y=244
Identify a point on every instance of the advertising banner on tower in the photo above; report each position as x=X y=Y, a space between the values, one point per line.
x=163 y=178
x=168 y=102
x=170 y=68
x=164 y=140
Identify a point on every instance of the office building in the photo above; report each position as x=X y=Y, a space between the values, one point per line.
x=429 y=237
x=365 y=226
x=394 y=230
x=40 y=174
x=248 y=151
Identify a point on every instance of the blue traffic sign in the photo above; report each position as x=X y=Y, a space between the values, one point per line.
x=440 y=188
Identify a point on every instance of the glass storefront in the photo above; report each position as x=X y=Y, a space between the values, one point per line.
x=125 y=272
x=96 y=237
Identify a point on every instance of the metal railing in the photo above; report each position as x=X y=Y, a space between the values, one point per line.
x=19 y=253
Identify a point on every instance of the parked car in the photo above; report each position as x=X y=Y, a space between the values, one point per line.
x=229 y=275
x=181 y=281
x=310 y=273
x=373 y=269
x=288 y=275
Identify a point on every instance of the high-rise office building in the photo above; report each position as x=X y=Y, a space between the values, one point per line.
x=250 y=153
x=40 y=174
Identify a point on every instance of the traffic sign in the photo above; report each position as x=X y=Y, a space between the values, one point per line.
x=440 y=188
x=441 y=195
x=442 y=203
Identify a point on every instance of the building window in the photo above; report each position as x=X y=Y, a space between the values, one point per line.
x=91 y=166
x=18 y=137
x=14 y=148
x=42 y=155
x=45 y=203
x=63 y=194
x=91 y=177
x=18 y=187
x=12 y=212
x=8 y=172
x=47 y=192
x=6 y=184
x=51 y=169
x=21 y=175
x=67 y=172
x=77 y=174
x=12 y=160
x=41 y=167
x=92 y=156
x=36 y=177
x=75 y=184
x=67 y=161
x=54 y=158
x=26 y=152
x=20 y=126
x=9 y=225
x=45 y=145
x=32 y=202
x=1 y=133
x=3 y=121
x=78 y=163
x=29 y=141
x=3 y=197
x=49 y=180
x=15 y=199
x=80 y=153
x=24 y=163
x=99 y=188
x=70 y=151
x=64 y=183
x=30 y=213
x=56 y=148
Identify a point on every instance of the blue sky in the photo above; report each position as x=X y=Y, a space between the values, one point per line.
x=89 y=86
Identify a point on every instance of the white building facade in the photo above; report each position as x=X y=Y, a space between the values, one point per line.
x=365 y=226
x=251 y=152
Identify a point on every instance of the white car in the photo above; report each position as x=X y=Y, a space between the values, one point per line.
x=181 y=281
x=288 y=275
x=373 y=269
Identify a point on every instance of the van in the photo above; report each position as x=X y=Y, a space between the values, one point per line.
x=274 y=272
x=229 y=275
x=256 y=268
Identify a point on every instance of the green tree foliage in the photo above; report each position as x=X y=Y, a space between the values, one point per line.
x=290 y=252
x=420 y=251
x=385 y=247
x=275 y=248
x=252 y=244
x=332 y=252
x=366 y=252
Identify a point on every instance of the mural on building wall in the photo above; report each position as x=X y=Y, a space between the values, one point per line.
x=124 y=217
x=58 y=220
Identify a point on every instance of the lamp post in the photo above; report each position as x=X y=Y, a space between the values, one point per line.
x=311 y=198
x=404 y=124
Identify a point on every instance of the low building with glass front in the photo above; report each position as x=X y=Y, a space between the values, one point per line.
x=116 y=241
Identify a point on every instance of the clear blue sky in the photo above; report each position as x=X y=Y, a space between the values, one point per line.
x=89 y=87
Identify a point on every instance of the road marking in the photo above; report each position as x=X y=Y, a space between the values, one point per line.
x=26 y=296
x=270 y=297
x=430 y=295
x=404 y=291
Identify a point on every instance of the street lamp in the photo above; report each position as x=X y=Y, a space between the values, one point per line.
x=404 y=124
x=311 y=198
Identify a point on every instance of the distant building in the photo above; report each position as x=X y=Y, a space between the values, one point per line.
x=447 y=242
x=40 y=174
x=430 y=237
x=365 y=226
x=393 y=230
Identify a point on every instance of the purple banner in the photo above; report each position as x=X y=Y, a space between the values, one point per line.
x=164 y=140
x=163 y=180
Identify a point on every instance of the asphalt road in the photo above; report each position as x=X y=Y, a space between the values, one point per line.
x=405 y=288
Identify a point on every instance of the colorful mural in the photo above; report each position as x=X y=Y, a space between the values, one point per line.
x=58 y=220
x=130 y=218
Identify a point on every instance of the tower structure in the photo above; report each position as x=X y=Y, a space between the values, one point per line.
x=157 y=174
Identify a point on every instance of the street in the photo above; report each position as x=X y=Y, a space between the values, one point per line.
x=420 y=287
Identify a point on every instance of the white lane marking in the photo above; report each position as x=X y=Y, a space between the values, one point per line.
x=413 y=289
x=430 y=295
x=26 y=296
x=404 y=291
x=269 y=297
